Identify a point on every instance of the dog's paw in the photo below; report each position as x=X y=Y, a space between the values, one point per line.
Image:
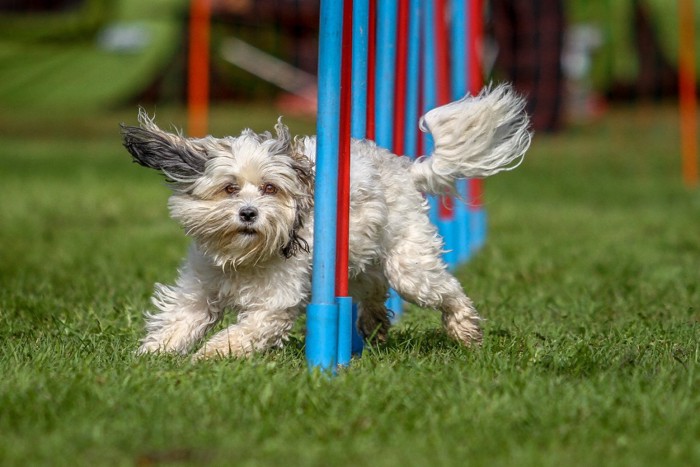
x=374 y=328
x=206 y=354
x=154 y=347
x=212 y=350
x=464 y=328
x=150 y=348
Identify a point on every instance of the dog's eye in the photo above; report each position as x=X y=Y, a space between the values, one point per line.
x=269 y=189
x=231 y=189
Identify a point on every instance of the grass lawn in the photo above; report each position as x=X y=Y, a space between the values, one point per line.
x=589 y=283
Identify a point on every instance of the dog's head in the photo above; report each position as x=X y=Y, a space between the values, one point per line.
x=243 y=199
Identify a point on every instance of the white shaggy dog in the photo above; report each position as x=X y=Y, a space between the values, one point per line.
x=247 y=202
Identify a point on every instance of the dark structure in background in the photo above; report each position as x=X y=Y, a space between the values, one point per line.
x=530 y=38
x=39 y=5
x=657 y=77
x=287 y=29
x=294 y=21
x=529 y=34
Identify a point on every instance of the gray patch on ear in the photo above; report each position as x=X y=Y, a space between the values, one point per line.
x=156 y=149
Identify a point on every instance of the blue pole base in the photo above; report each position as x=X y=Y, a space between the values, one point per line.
x=395 y=304
x=479 y=227
x=345 y=325
x=448 y=231
x=463 y=219
x=322 y=336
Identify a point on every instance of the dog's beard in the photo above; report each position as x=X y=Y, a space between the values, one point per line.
x=229 y=242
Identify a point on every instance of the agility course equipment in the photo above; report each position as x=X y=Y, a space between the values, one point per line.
x=373 y=57
x=381 y=64
x=687 y=94
x=198 y=68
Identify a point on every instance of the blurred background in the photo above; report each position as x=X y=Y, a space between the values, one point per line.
x=573 y=58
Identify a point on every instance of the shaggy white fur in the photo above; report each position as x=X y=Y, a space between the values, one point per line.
x=247 y=202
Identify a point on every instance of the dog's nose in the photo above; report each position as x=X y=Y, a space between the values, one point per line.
x=248 y=214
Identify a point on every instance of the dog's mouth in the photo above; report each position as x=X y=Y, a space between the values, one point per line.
x=247 y=232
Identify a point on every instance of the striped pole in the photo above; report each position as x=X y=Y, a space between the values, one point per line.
x=322 y=312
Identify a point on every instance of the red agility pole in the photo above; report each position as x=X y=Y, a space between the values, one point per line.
x=687 y=94
x=399 y=132
x=342 y=233
x=371 y=70
x=343 y=226
x=476 y=82
x=198 y=68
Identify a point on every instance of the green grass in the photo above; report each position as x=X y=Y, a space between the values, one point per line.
x=589 y=283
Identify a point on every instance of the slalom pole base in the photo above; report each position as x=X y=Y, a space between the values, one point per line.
x=479 y=227
x=345 y=326
x=395 y=304
x=462 y=218
x=322 y=336
x=448 y=232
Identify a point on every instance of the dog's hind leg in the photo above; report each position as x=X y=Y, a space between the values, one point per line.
x=415 y=269
x=370 y=289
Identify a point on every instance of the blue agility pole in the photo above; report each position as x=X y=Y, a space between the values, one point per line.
x=384 y=96
x=459 y=89
x=360 y=39
x=446 y=221
x=358 y=124
x=322 y=312
x=412 y=80
x=385 y=68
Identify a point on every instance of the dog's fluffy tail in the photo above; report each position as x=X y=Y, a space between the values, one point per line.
x=474 y=137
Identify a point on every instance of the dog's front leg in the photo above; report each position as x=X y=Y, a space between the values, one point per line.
x=255 y=331
x=185 y=315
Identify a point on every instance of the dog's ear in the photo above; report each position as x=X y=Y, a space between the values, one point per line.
x=304 y=201
x=174 y=155
x=295 y=242
x=292 y=148
x=302 y=165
